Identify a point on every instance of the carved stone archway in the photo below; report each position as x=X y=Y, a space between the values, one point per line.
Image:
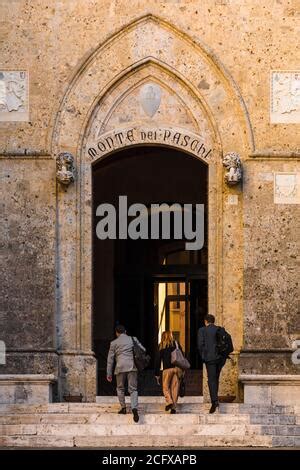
x=201 y=112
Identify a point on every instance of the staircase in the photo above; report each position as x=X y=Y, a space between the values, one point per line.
x=96 y=425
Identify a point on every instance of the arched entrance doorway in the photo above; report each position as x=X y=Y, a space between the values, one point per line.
x=149 y=284
x=101 y=112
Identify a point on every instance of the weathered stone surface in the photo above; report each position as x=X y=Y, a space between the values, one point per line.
x=265 y=362
x=235 y=426
x=91 y=70
x=31 y=362
x=23 y=409
x=13 y=429
x=272 y=389
x=148 y=399
x=26 y=388
x=230 y=31
x=285 y=97
x=136 y=441
x=72 y=382
x=27 y=268
x=174 y=442
x=283 y=441
x=287 y=188
x=36 y=441
x=14 y=94
x=273 y=419
x=271 y=290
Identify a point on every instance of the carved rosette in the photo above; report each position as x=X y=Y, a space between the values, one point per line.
x=232 y=163
x=65 y=169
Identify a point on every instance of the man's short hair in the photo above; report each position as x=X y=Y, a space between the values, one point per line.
x=120 y=329
x=209 y=318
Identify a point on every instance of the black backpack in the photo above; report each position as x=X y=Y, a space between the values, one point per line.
x=224 y=343
x=140 y=356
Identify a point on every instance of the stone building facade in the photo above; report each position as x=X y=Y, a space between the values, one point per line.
x=89 y=78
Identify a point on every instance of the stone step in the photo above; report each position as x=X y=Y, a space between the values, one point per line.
x=143 y=441
x=283 y=430
x=146 y=408
x=169 y=442
x=99 y=425
x=150 y=407
x=115 y=418
x=265 y=409
x=268 y=421
x=91 y=408
x=286 y=441
x=132 y=429
x=279 y=419
x=27 y=409
x=146 y=399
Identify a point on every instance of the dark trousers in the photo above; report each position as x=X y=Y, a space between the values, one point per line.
x=213 y=376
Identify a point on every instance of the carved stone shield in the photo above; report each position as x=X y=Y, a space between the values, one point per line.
x=285 y=185
x=150 y=98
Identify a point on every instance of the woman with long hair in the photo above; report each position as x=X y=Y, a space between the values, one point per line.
x=171 y=375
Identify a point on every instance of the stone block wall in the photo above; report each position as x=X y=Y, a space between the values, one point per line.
x=51 y=45
x=27 y=298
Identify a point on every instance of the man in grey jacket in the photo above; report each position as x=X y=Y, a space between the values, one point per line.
x=121 y=352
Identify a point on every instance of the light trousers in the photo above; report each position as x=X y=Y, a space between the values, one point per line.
x=132 y=379
x=170 y=385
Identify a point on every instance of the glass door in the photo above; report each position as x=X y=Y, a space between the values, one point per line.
x=173 y=311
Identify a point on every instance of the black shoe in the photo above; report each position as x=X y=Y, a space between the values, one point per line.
x=135 y=415
x=213 y=407
x=168 y=407
x=122 y=411
x=173 y=411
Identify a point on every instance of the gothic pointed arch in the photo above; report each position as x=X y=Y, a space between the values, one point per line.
x=145 y=40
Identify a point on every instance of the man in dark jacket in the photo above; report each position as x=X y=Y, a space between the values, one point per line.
x=207 y=347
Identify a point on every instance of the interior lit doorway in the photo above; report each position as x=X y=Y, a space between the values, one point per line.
x=173 y=310
x=149 y=285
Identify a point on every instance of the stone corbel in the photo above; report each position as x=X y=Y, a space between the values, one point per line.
x=65 y=169
x=232 y=163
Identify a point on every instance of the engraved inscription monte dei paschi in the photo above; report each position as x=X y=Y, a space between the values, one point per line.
x=118 y=139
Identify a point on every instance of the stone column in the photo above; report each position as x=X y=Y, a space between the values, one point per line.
x=77 y=364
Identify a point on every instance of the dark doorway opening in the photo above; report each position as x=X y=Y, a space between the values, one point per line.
x=149 y=285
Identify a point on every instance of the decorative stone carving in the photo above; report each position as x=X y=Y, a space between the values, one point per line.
x=14 y=96
x=286 y=188
x=285 y=97
x=65 y=170
x=232 y=200
x=232 y=163
x=150 y=98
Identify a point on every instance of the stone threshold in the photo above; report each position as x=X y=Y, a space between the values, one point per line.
x=148 y=399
